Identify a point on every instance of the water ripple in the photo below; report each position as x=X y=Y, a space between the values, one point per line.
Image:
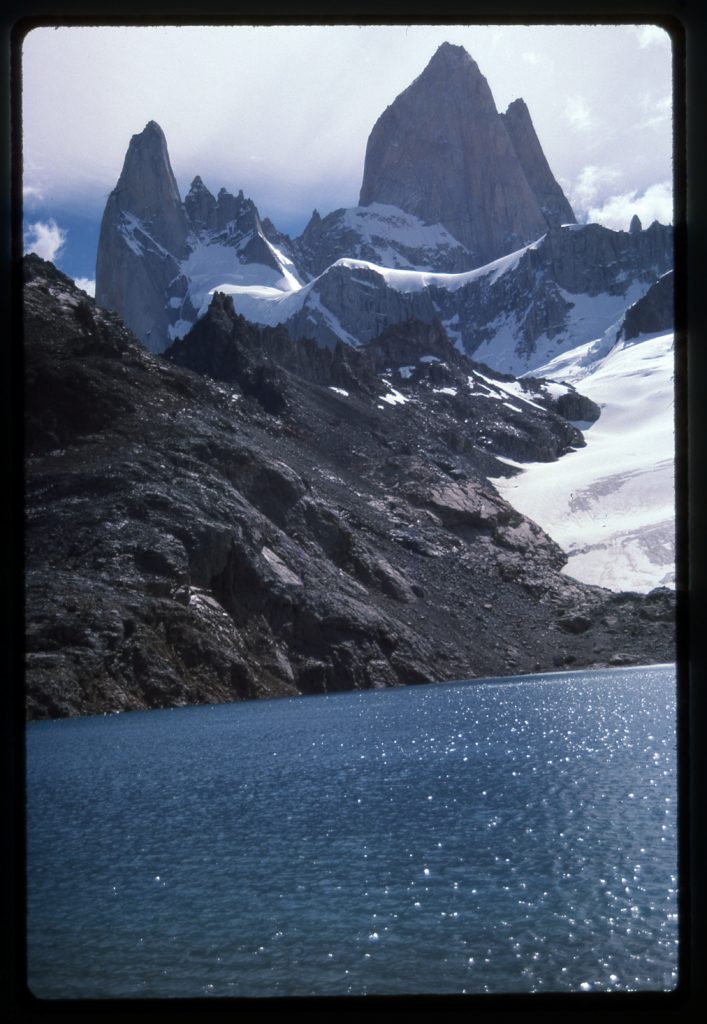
x=510 y=837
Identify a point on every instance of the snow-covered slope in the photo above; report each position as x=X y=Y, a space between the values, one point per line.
x=515 y=314
x=357 y=271
x=211 y=260
x=611 y=505
x=587 y=317
x=263 y=303
x=382 y=234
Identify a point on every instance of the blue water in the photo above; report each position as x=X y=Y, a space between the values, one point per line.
x=509 y=836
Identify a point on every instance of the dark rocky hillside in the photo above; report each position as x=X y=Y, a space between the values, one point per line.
x=655 y=311
x=192 y=539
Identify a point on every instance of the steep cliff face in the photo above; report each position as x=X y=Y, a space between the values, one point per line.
x=155 y=252
x=190 y=540
x=441 y=151
x=200 y=206
x=143 y=236
x=513 y=314
x=147 y=190
x=654 y=312
x=461 y=220
x=552 y=200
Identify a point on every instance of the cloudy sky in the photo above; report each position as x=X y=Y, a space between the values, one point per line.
x=284 y=113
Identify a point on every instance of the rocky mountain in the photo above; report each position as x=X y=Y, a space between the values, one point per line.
x=379 y=234
x=442 y=152
x=514 y=314
x=439 y=158
x=143 y=237
x=654 y=311
x=248 y=517
x=551 y=199
x=157 y=256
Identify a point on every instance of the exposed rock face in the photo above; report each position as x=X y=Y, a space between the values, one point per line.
x=553 y=202
x=143 y=236
x=449 y=184
x=200 y=206
x=229 y=348
x=414 y=357
x=187 y=544
x=654 y=312
x=150 y=260
x=635 y=226
x=147 y=189
x=532 y=300
x=381 y=234
x=591 y=259
x=441 y=151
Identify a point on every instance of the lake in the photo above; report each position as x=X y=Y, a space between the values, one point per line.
x=512 y=835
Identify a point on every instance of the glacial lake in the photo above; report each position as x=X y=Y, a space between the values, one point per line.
x=512 y=835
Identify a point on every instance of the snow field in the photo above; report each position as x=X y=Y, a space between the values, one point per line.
x=611 y=505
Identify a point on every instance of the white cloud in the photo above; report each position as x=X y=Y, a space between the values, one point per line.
x=578 y=114
x=86 y=285
x=658 y=112
x=655 y=203
x=32 y=192
x=45 y=238
x=538 y=60
x=592 y=180
x=651 y=35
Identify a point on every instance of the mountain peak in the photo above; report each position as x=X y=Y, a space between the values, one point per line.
x=441 y=152
x=449 y=63
x=518 y=108
x=147 y=188
x=150 y=138
x=200 y=206
x=552 y=200
x=451 y=53
x=152 y=128
x=143 y=232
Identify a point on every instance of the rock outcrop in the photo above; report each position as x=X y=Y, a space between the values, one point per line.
x=441 y=151
x=200 y=206
x=449 y=185
x=552 y=200
x=655 y=311
x=380 y=234
x=192 y=540
x=513 y=315
x=143 y=237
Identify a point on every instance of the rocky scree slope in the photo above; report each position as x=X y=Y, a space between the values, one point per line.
x=193 y=540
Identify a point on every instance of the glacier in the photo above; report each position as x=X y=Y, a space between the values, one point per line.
x=611 y=505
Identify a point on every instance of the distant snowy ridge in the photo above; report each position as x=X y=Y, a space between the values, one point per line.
x=357 y=271
x=261 y=303
x=515 y=313
x=381 y=234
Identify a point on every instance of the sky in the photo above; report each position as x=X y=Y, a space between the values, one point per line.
x=284 y=113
